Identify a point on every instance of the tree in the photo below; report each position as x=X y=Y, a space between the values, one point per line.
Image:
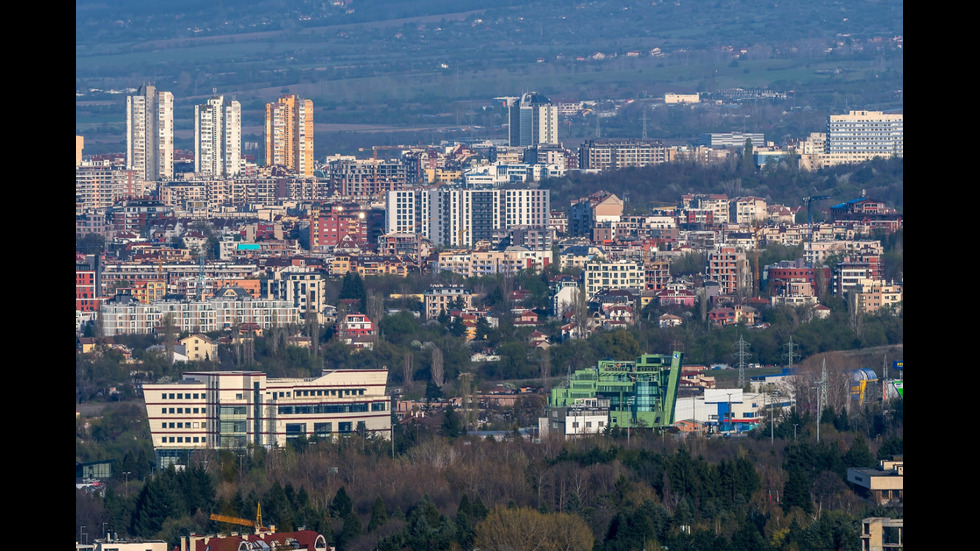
x=378 y=515
x=352 y=529
x=436 y=369
x=352 y=288
x=341 y=505
x=748 y=159
x=452 y=424
x=527 y=529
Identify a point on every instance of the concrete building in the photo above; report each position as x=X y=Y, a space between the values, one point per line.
x=289 y=134
x=866 y=133
x=884 y=485
x=303 y=287
x=585 y=213
x=440 y=298
x=366 y=178
x=452 y=217
x=583 y=417
x=732 y=139
x=236 y=409
x=617 y=154
x=479 y=263
x=150 y=134
x=853 y=138
x=606 y=276
x=229 y=308
x=99 y=187
x=198 y=348
x=882 y=534
x=730 y=268
x=672 y=98
x=218 y=138
x=533 y=120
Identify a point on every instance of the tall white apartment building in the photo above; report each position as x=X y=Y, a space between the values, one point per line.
x=218 y=138
x=237 y=409
x=462 y=217
x=150 y=134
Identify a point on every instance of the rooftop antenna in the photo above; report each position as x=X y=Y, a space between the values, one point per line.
x=644 y=122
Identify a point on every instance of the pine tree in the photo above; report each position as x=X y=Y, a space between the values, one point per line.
x=378 y=515
x=341 y=505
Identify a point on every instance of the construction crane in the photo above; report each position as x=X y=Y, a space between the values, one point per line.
x=256 y=524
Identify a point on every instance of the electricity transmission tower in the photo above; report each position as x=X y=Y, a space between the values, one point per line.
x=741 y=353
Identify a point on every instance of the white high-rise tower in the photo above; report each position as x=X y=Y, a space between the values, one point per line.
x=150 y=134
x=218 y=137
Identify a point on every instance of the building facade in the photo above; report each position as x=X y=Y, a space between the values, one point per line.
x=533 y=120
x=617 y=154
x=218 y=138
x=638 y=393
x=150 y=134
x=866 y=133
x=237 y=409
x=229 y=308
x=289 y=134
x=462 y=217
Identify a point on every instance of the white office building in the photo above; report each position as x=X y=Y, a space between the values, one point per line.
x=866 y=133
x=238 y=409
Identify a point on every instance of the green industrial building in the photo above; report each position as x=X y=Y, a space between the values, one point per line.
x=640 y=394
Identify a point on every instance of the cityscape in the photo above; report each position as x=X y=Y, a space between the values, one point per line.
x=551 y=329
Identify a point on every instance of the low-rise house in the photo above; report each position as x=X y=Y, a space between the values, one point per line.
x=198 y=348
x=669 y=320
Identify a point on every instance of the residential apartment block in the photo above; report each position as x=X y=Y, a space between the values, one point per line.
x=100 y=186
x=462 y=217
x=218 y=138
x=729 y=267
x=289 y=134
x=439 y=298
x=150 y=134
x=478 y=263
x=229 y=308
x=617 y=154
x=236 y=409
x=606 y=276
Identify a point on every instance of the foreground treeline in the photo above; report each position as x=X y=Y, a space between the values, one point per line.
x=609 y=492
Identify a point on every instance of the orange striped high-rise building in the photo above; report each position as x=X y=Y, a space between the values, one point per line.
x=289 y=134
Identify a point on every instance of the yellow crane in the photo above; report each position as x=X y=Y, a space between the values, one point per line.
x=257 y=523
